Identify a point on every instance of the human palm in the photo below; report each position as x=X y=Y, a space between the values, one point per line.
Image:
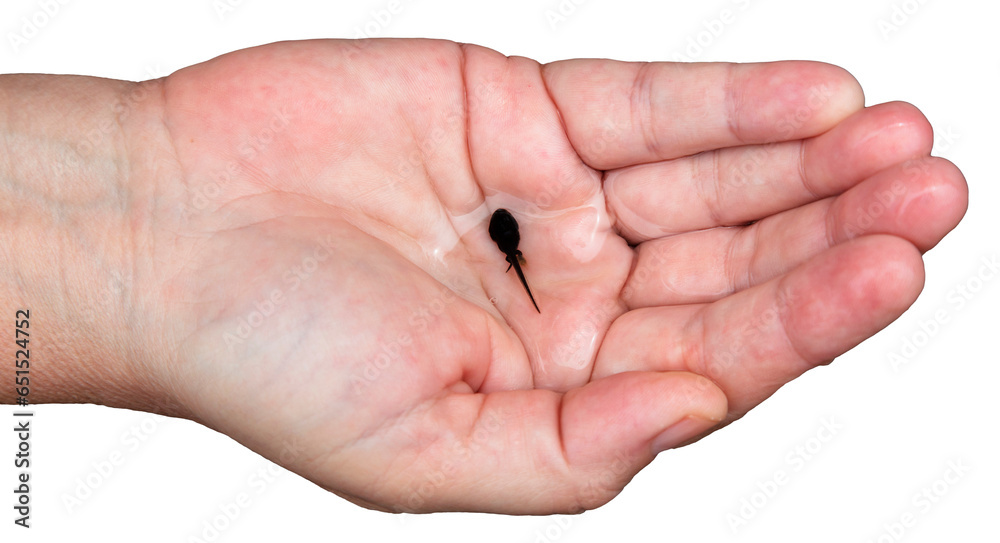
x=318 y=257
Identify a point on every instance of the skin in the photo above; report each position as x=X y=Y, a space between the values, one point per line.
x=288 y=244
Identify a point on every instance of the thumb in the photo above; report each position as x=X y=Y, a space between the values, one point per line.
x=615 y=426
x=542 y=452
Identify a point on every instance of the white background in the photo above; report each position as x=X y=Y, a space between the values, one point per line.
x=898 y=428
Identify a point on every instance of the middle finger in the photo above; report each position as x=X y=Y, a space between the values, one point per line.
x=737 y=185
x=918 y=200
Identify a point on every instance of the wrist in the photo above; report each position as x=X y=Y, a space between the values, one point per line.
x=65 y=241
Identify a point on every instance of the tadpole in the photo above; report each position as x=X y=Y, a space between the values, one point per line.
x=503 y=230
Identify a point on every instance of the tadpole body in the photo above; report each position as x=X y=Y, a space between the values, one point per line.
x=503 y=230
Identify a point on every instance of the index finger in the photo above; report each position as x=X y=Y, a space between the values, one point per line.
x=624 y=113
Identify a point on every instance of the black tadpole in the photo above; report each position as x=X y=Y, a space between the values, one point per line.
x=503 y=230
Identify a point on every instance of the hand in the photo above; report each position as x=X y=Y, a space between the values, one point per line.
x=313 y=276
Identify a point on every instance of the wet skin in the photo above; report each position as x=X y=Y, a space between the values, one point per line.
x=503 y=230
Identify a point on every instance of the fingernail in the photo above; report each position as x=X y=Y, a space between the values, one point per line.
x=679 y=432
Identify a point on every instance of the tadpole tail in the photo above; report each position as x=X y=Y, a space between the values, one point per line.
x=520 y=275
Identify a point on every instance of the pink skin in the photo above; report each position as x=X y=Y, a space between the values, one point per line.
x=320 y=176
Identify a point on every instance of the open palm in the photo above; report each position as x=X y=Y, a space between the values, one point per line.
x=695 y=236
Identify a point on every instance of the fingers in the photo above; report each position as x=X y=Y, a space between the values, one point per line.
x=573 y=261
x=919 y=201
x=622 y=113
x=755 y=341
x=737 y=185
x=518 y=147
x=541 y=452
